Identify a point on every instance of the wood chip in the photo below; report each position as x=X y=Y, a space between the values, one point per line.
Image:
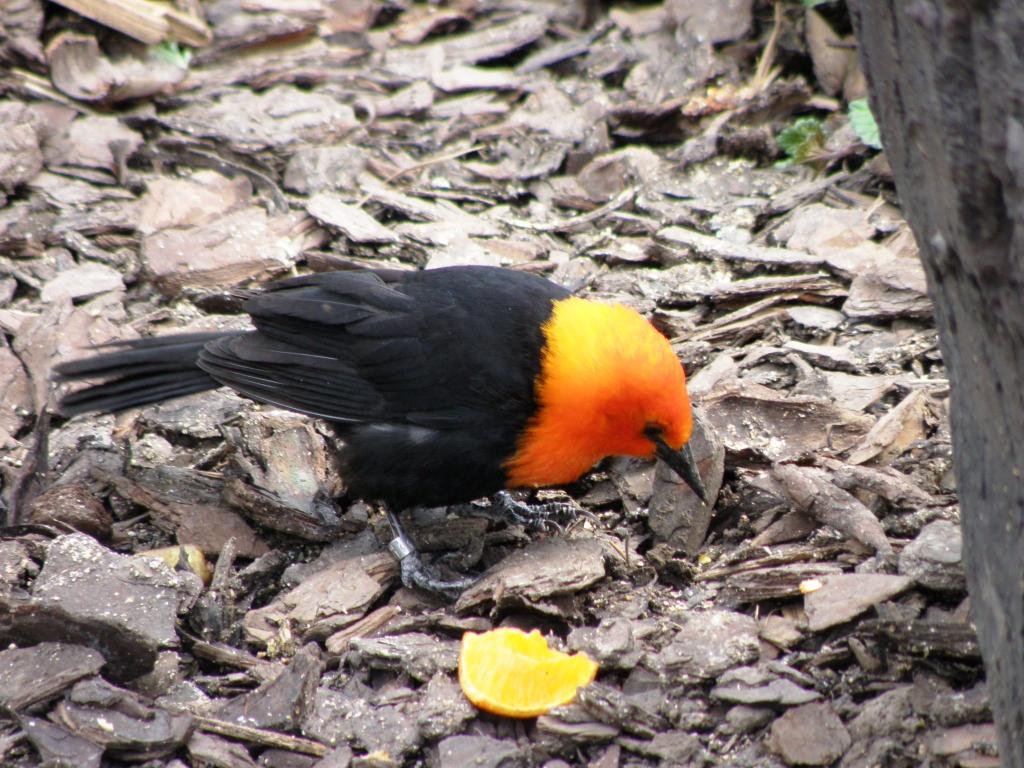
x=712 y=247
x=926 y=639
x=755 y=420
x=893 y=433
x=847 y=595
x=811 y=734
x=353 y=222
x=814 y=494
x=148 y=22
x=537 y=574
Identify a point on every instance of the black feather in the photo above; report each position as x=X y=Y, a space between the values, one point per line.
x=427 y=376
x=139 y=372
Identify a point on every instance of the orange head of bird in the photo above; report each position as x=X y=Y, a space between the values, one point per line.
x=609 y=385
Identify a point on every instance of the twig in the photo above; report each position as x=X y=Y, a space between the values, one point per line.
x=579 y=223
x=38 y=86
x=420 y=166
x=261 y=736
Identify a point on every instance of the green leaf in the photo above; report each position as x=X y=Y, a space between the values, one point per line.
x=814 y=3
x=802 y=140
x=172 y=53
x=863 y=123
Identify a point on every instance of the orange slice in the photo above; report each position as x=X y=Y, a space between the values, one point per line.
x=195 y=561
x=511 y=673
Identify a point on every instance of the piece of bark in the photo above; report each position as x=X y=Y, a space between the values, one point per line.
x=80 y=69
x=708 y=246
x=615 y=643
x=20 y=156
x=609 y=705
x=205 y=749
x=353 y=222
x=753 y=419
x=811 y=734
x=244 y=245
x=314 y=169
x=468 y=78
x=281 y=117
x=445 y=710
x=757 y=558
x=284 y=454
x=82 y=282
x=414 y=99
x=492 y=42
x=843 y=596
x=538 y=574
x=675 y=514
x=87 y=593
x=192 y=201
x=327 y=600
x=185 y=504
x=266 y=509
x=58 y=746
x=891 y=484
x=830 y=357
x=40 y=672
x=338 y=642
x=261 y=736
x=780 y=631
x=478 y=750
x=924 y=638
x=962 y=739
x=122 y=722
x=449 y=216
x=712 y=22
x=340 y=718
x=280 y=704
x=708 y=643
x=895 y=289
x=933 y=558
x=756 y=685
x=420 y=22
x=73 y=506
x=419 y=655
x=92 y=147
x=148 y=22
x=14 y=383
x=814 y=494
x=774 y=583
x=894 y=432
x=792 y=526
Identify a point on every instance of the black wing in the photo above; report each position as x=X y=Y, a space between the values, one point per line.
x=446 y=348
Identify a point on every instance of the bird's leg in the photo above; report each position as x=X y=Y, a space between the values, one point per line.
x=531 y=516
x=415 y=573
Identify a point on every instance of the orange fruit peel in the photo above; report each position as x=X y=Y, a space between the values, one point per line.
x=509 y=672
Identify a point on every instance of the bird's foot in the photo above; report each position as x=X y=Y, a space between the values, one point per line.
x=533 y=517
x=416 y=573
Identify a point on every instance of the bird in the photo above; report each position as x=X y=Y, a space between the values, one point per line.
x=443 y=385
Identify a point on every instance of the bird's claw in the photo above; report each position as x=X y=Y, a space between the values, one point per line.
x=536 y=517
x=415 y=573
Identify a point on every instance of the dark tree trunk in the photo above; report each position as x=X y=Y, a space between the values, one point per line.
x=947 y=88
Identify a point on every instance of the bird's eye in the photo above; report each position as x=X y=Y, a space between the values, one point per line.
x=653 y=430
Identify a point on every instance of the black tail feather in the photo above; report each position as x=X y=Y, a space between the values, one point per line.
x=138 y=372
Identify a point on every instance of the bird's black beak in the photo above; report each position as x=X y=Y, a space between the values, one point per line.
x=683 y=463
